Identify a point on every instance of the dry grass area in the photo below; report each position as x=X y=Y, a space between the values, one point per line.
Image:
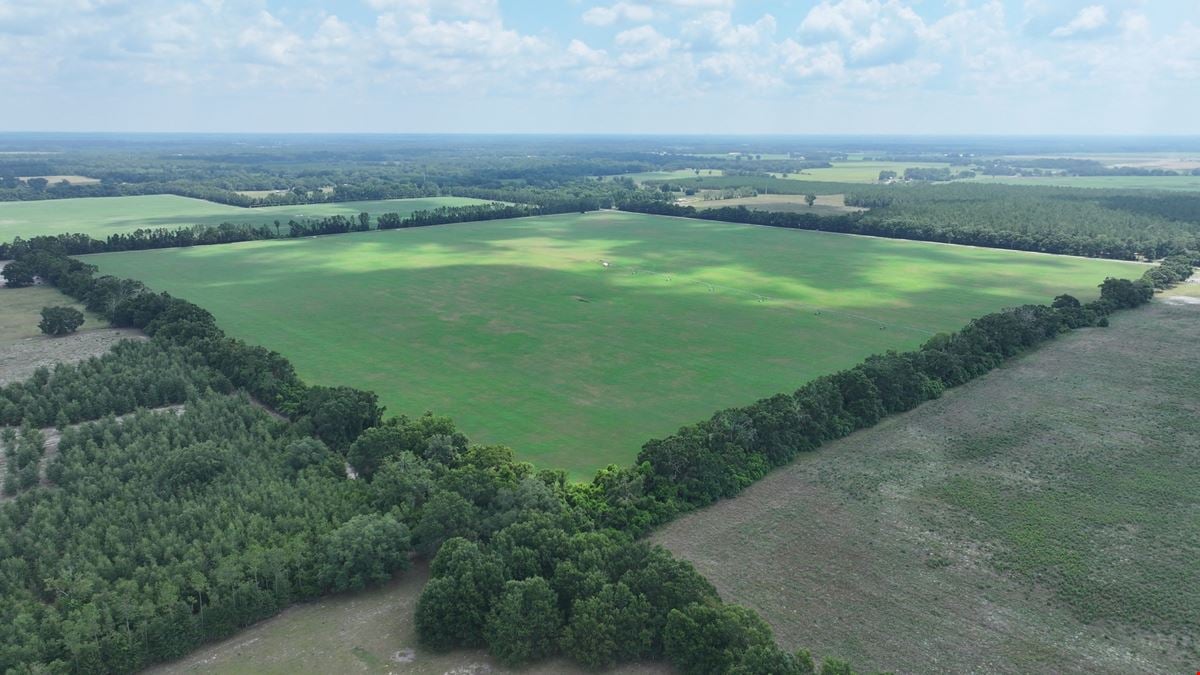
x=825 y=204
x=367 y=632
x=73 y=180
x=1040 y=519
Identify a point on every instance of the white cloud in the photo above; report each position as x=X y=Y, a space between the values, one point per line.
x=871 y=31
x=621 y=11
x=716 y=30
x=653 y=52
x=643 y=46
x=1089 y=20
x=821 y=61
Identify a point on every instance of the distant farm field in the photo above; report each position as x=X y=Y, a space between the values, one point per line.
x=519 y=330
x=1041 y=519
x=643 y=176
x=1110 y=182
x=825 y=205
x=859 y=172
x=102 y=216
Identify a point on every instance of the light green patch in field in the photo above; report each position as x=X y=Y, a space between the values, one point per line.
x=859 y=171
x=1109 y=182
x=518 y=330
x=102 y=216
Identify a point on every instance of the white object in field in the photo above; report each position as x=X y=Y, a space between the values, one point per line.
x=604 y=262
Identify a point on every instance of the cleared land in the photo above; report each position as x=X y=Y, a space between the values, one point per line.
x=644 y=176
x=859 y=172
x=367 y=632
x=825 y=204
x=102 y=216
x=73 y=180
x=519 y=331
x=23 y=348
x=1040 y=519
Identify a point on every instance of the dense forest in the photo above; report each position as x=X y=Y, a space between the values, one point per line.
x=159 y=531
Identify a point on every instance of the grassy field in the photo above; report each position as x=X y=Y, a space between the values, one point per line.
x=102 y=216
x=367 y=632
x=858 y=172
x=1040 y=519
x=1111 y=182
x=517 y=330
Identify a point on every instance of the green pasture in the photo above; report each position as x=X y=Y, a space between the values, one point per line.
x=519 y=330
x=102 y=216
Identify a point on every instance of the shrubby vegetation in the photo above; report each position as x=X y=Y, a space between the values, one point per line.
x=60 y=320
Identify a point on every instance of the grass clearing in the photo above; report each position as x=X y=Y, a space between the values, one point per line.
x=21 y=310
x=517 y=330
x=102 y=216
x=367 y=632
x=1039 y=519
x=23 y=348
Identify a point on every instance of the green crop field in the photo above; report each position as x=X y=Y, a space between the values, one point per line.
x=519 y=331
x=102 y=216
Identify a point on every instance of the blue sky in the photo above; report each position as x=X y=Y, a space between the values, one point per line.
x=603 y=66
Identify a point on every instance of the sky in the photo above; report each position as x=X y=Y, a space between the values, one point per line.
x=602 y=66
